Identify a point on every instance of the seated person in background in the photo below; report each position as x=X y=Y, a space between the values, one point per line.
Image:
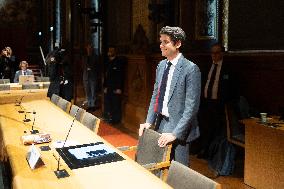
x=24 y=71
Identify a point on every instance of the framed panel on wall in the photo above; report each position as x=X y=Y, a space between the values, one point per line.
x=206 y=20
x=250 y=26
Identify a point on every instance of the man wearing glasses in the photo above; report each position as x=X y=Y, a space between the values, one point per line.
x=216 y=93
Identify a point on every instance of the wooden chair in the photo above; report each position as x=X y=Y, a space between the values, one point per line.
x=31 y=86
x=182 y=177
x=55 y=98
x=4 y=87
x=4 y=81
x=91 y=121
x=80 y=112
x=41 y=79
x=150 y=155
x=45 y=85
x=64 y=104
x=234 y=134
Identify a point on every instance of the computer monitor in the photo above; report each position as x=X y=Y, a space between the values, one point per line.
x=26 y=79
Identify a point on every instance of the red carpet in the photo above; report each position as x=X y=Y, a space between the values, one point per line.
x=116 y=137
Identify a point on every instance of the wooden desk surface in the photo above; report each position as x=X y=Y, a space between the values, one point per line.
x=264 y=155
x=17 y=86
x=13 y=95
x=51 y=119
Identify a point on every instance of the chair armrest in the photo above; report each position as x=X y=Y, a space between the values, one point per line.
x=127 y=148
x=155 y=166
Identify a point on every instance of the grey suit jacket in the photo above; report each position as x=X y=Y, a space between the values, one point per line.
x=19 y=72
x=184 y=98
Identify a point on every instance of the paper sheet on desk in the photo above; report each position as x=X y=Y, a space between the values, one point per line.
x=91 y=151
x=59 y=143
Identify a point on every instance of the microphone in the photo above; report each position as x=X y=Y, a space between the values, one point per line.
x=34 y=131
x=62 y=173
x=27 y=119
x=18 y=103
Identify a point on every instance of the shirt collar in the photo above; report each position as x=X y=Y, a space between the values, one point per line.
x=175 y=60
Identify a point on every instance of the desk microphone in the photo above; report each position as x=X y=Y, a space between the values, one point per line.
x=27 y=119
x=21 y=111
x=18 y=103
x=63 y=173
x=34 y=131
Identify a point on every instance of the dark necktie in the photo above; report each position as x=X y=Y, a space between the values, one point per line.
x=211 y=81
x=162 y=88
x=25 y=73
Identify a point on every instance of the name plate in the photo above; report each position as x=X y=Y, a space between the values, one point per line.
x=33 y=157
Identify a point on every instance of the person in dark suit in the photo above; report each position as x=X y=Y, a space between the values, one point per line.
x=6 y=67
x=176 y=95
x=66 y=84
x=54 y=68
x=90 y=77
x=13 y=61
x=24 y=71
x=60 y=73
x=113 y=87
x=218 y=90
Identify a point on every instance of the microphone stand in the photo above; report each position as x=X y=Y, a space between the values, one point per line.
x=33 y=131
x=20 y=101
x=63 y=173
x=21 y=110
x=26 y=119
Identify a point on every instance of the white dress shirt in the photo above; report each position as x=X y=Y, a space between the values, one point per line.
x=174 y=62
x=214 y=94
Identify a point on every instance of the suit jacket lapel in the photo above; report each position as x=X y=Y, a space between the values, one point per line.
x=175 y=77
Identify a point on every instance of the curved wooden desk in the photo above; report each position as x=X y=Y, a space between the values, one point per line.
x=15 y=95
x=49 y=118
x=264 y=155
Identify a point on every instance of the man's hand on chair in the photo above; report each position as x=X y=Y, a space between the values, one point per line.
x=165 y=139
x=142 y=127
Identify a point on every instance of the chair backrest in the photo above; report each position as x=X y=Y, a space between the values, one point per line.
x=80 y=112
x=91 y=121
x=148 y=150
x=55 y=98
x=64 y=104
x=235 y=132
x=4 y=81
x=244 y=108
x=182 y=177
x=41 y=79
x=45 y=85
x=30 y=86
x=4 y=87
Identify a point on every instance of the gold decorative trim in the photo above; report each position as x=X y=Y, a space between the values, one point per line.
x=201 y=16
x=225 y=24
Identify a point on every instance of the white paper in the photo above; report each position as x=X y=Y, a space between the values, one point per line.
x=59 y=143
x=33 y=156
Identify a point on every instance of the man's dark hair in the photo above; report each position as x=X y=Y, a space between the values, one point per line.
x=219 y=45
x=175 y=33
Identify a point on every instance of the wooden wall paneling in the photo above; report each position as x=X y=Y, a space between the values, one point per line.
x=137 y=87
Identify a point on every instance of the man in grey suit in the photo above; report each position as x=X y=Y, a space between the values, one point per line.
x=175 y=100
x=24 y=71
